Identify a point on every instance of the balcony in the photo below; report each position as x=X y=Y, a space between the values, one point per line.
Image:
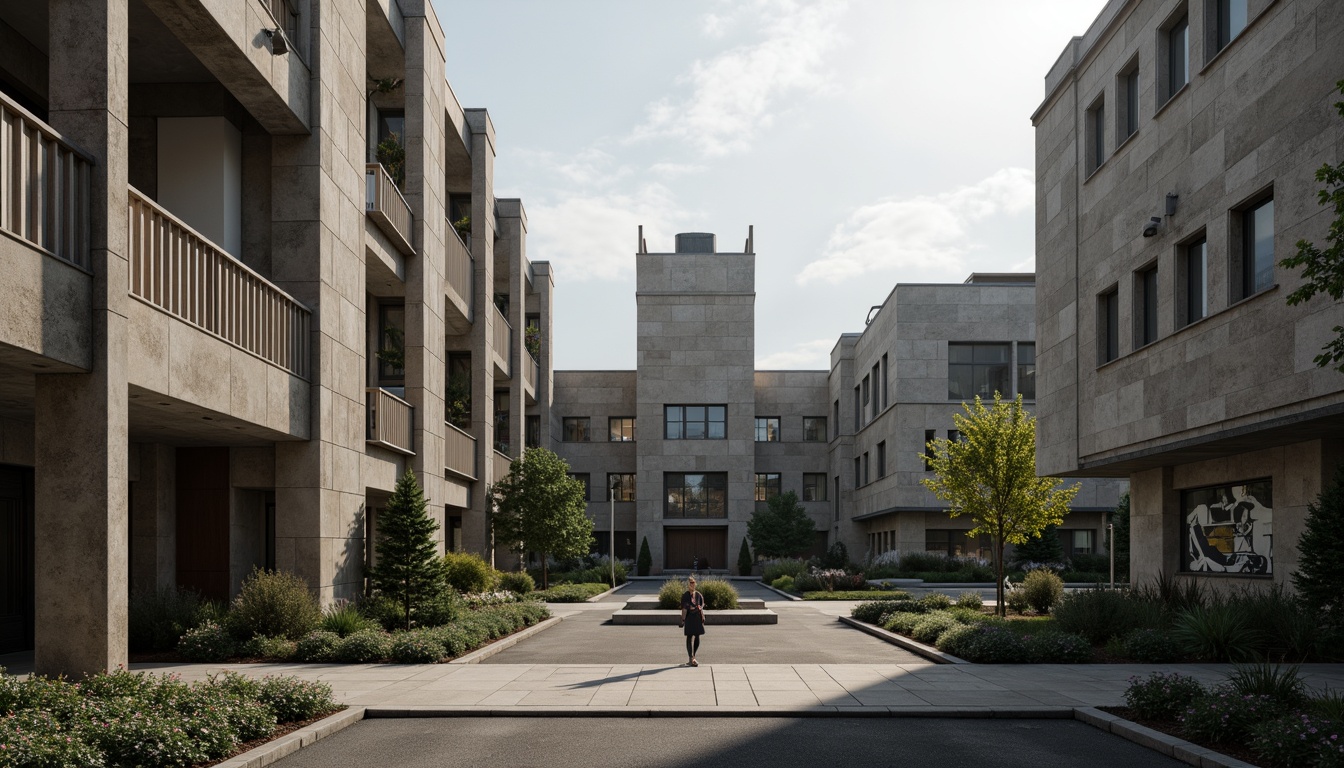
x=461 y=269
x=459 y=452
x=501 y=344
x=44 y=186
x=388 y=209
x=177 y=270
x=391 y=421
x=502 y=464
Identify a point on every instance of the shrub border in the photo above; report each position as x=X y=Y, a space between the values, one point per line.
x=617 y=588
x=506 y=642
x=292 y=742
x=927 y=651
x=1171 y=746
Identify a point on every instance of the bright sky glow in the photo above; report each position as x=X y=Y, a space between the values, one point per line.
x=870 y=142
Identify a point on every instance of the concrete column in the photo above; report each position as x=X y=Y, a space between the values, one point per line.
x=154 y=513
x=81 y=548
x=1155 y=525
x=512 y=241
x=425 y=274
x=544 y=283
x=475 y=527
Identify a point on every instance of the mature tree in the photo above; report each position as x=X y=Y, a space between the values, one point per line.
x=1323 y=268
x=1120 y=532
x=1044 y=547
x=1320 y=570
x=744 y=560
x=409 y=569
x=645 y=562
x=783 y=529
x=539 y=508
x=990 y=474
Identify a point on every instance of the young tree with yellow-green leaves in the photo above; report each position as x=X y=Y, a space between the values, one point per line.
x=990 y=474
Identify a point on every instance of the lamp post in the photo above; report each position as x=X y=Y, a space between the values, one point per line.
x=1110 y=535
x=611 y=531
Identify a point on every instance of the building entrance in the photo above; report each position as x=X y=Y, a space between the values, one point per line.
x=16 y=559
x=683 y=545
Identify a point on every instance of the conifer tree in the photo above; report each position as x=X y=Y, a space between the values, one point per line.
x=409 y=568
x=744 y=559
x=645 y=562
x=1320 y=570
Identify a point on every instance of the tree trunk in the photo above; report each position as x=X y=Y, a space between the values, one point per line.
x=545 y=577
x=1001 y=609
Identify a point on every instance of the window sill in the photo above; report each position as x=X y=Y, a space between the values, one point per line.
x=1125 y=142
x=1240 y=36
x=1171 y=99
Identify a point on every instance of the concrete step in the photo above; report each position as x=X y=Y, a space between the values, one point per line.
x=671 y=618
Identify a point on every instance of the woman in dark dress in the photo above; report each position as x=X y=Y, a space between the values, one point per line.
x=692 y=620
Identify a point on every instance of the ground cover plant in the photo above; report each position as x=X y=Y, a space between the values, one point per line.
x=569 y=593
x=144 y=720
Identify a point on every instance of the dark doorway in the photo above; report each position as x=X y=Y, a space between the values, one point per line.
x=683 y=545
x=203 y=521
x=16 y=559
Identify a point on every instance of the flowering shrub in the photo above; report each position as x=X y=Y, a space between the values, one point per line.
x=956 y=639
x=991 y=644
x=1299 y=739
x=829 y=580
x=936 y=601
x=891 y=558
x=1058 y=648
x=1226 y=716
x=292 y=699
x=931 y=626
x=364 y=647
x=262 y=647
x=207 y=643
x=1162 y=696
x=36 y=737
x=970 y=600
x=419 y=646
x=480 y=599
x=317 y=646
x=902 y=622
x=874 y=611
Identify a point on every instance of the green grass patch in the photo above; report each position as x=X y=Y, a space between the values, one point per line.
x=568 y=593
x=868 y=594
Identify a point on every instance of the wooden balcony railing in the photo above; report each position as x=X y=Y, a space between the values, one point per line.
x=461 y=267
x=175 y=268
x=44 y=186
x=388 y=209
x=502 y=341
x=502 y=463
x=531 y=370
x=459 y=452
x=391 y=421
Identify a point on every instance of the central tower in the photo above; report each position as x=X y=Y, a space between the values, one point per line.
x=695 y=400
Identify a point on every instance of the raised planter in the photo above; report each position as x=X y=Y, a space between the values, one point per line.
x=650 y=603
x=716 y=618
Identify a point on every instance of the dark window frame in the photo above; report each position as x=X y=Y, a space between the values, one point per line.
x=587 y=429
x=813 y=434
x=683 y=421
x=768 y=485
x=624 y=483
x=812 y=483
x=1145 y=305
x=713 y=485
x=1108 y=325
x=616 y=429
x=990 y=367
x=766 y=422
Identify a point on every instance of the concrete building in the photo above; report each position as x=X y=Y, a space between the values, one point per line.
x=1175 y=158
x=228 y=328
x=848 y=441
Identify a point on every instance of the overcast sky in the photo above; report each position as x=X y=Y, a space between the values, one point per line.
x=870 y=142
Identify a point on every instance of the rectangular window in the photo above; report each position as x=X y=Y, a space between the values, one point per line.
x=1108 y=326
x=1194 y=268
x=1257 y=248
x=858 y=409
x=867 y=478
x=835 y=500
x=699 y=496
x=1096 y=135
x=858 y=472
x=1026 y=369
x=1228 y=529
x=621 y=429
x=877 y=389
x=1145 y=306
x=695 y=422
x=1127 y=92
x=767 y=485
x=814 y=486
x=882 y=459
x=814 y=429
x=575 y=429
x=1081 y=542
x=533 y=436
x=767 y=429
x=867 y=394
x=956 y=543
x=1177 y=41
x=953 y=436
x=929 y=436
x=391 y=352
x=885 y=373
x=583 y=477
x=835 y=410
x=1231 y=20
x=623 y=483
x=978 y=369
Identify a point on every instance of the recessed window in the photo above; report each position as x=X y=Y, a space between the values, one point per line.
x=882 y=459
x=867 y=478
x=575 y=429
x=929 y=436
x=767 y=485
x=858 y=409
x=814 y=429
x=867 y=394
x=1256 y=271
x=877 y=389
x=978 y=369
x=533 y=436
x=1108 y=326
x=1096 y=134
x=695 y=422
x=1145 y=306
x=699 y=495
x=814 y=486
x=1082 y=542
x=1127 y=110
x=621 y=429
x=391 y=352
x=583 y=478
x=885 y=373
x=835 y=412
x=1229 y=21
x=858 y=472
x=1176 y=47
x=953 y=436
x=1026 y=370
x=767 y=429
x=1193 y=270
x=622 y=484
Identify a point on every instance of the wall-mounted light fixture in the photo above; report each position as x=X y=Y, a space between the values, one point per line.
x=279 y=45
x=1150 y=228
x=1172 y=197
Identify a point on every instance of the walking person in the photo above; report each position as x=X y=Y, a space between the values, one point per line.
x=692 y=620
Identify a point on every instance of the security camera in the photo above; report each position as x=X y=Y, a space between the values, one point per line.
x=1150 y=228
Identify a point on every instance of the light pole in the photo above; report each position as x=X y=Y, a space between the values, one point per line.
x=611 y=531
x=1110 y=535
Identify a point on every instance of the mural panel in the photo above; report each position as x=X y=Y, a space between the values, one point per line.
x=1229 y=529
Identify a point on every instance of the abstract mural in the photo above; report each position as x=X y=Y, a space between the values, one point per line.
x=1229 y=529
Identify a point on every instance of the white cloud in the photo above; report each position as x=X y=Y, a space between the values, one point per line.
x=677 y=169
x=588 y=236
x=926 y=236
x=807 y=355
x=736 y=93
x=715 y=26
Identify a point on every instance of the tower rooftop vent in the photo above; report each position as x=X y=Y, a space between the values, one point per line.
x=696 y=242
